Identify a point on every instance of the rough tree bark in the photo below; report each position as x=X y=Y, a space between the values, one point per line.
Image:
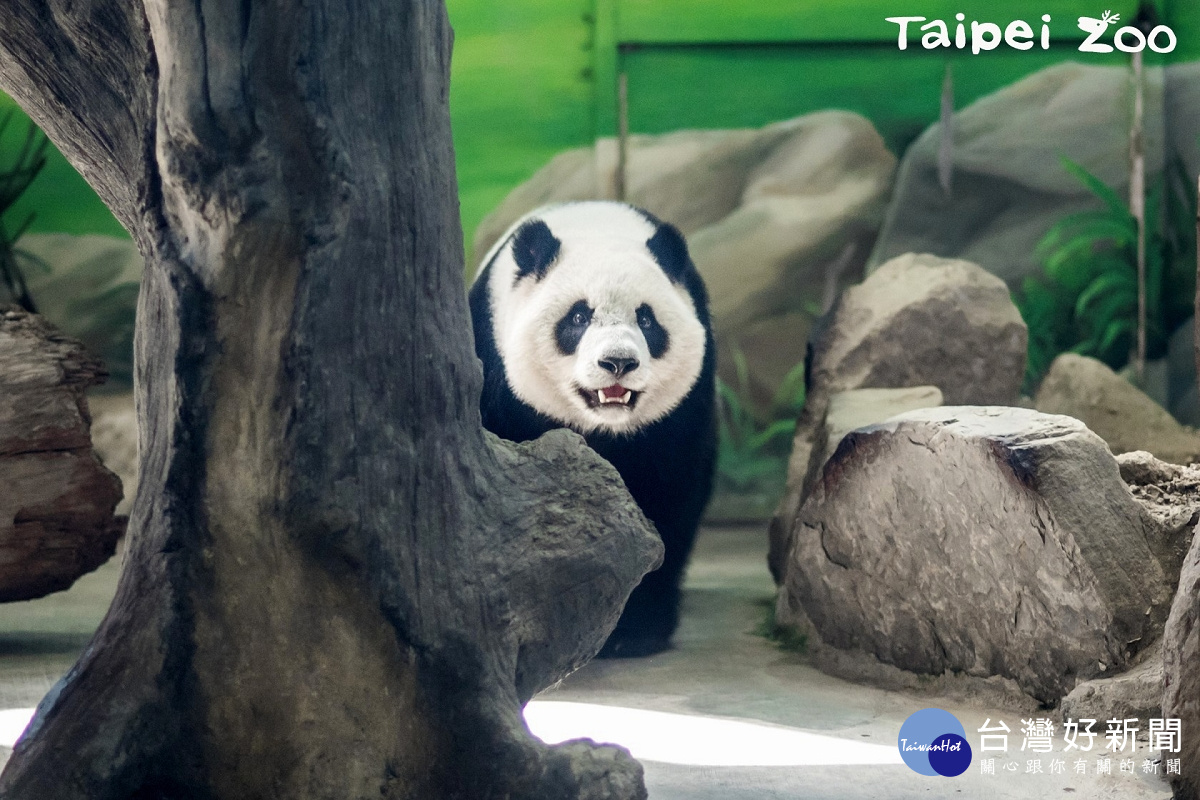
x=337 y=585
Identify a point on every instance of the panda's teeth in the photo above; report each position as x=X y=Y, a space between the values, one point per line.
x=598 y=397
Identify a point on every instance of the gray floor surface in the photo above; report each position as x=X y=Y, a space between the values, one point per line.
x=719 y=668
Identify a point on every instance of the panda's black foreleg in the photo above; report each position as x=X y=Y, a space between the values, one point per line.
x=652 y=613
x=648 y=621
x=670 y=475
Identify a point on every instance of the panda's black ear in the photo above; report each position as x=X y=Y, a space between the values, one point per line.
x=669 y=249
x=534 y=249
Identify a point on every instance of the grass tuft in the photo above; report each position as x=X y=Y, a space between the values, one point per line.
x=786 y=637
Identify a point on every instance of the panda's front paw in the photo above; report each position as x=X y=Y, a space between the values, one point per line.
x=633 y=644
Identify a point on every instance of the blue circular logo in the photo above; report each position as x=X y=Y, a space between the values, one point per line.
x=934 y=742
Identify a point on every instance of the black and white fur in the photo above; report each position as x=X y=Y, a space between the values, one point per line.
x=592 y=316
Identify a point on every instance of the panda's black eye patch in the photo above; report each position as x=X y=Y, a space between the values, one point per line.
x=571 y=327
x=657 y=339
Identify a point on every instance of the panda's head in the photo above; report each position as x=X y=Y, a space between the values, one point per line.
x=598 y=315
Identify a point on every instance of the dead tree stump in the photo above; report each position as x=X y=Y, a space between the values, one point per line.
x=56 y=498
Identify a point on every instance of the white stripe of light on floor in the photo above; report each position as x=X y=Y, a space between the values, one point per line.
x=699 y=741
x=657 y=736
x=12 y=724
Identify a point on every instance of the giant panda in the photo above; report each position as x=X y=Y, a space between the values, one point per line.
x=591 y=316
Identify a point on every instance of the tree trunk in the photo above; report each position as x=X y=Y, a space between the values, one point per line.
x=337 y=584
x=56 y=498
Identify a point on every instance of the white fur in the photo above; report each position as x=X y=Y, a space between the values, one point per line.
x=603 y=260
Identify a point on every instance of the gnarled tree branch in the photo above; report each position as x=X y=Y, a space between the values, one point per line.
x=86 y=73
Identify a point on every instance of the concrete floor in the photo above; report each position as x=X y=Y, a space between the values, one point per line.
x=718 y=669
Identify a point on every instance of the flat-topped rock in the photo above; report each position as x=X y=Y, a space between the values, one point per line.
x=983 y=540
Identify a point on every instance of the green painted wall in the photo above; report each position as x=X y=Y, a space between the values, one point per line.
x=533 y=77
x=59 y=198
x=520 y=91
x=709 y=63
x=1184 y=17
x=749 y=86
x=831 y=20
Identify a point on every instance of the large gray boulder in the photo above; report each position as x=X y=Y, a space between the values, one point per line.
x=1181 y=677
x=778 y=219
x=1009 y=185
x=983 y=540
x=1124 y=416
x=1169 y=494
x=919 y=320
x=811 y=206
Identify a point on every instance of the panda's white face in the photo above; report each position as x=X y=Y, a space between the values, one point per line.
x=601 y=339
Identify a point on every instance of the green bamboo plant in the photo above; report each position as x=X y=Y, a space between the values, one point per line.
x=1085 y=298
x=752 y=451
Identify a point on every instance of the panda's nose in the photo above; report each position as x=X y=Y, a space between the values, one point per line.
x=618 y=366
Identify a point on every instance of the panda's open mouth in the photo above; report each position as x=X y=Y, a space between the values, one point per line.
x=615 y=396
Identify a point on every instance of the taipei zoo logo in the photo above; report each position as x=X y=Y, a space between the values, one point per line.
x=933 y=742
x=1020 y=35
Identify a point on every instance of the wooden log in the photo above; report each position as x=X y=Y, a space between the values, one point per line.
x=56 y=498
